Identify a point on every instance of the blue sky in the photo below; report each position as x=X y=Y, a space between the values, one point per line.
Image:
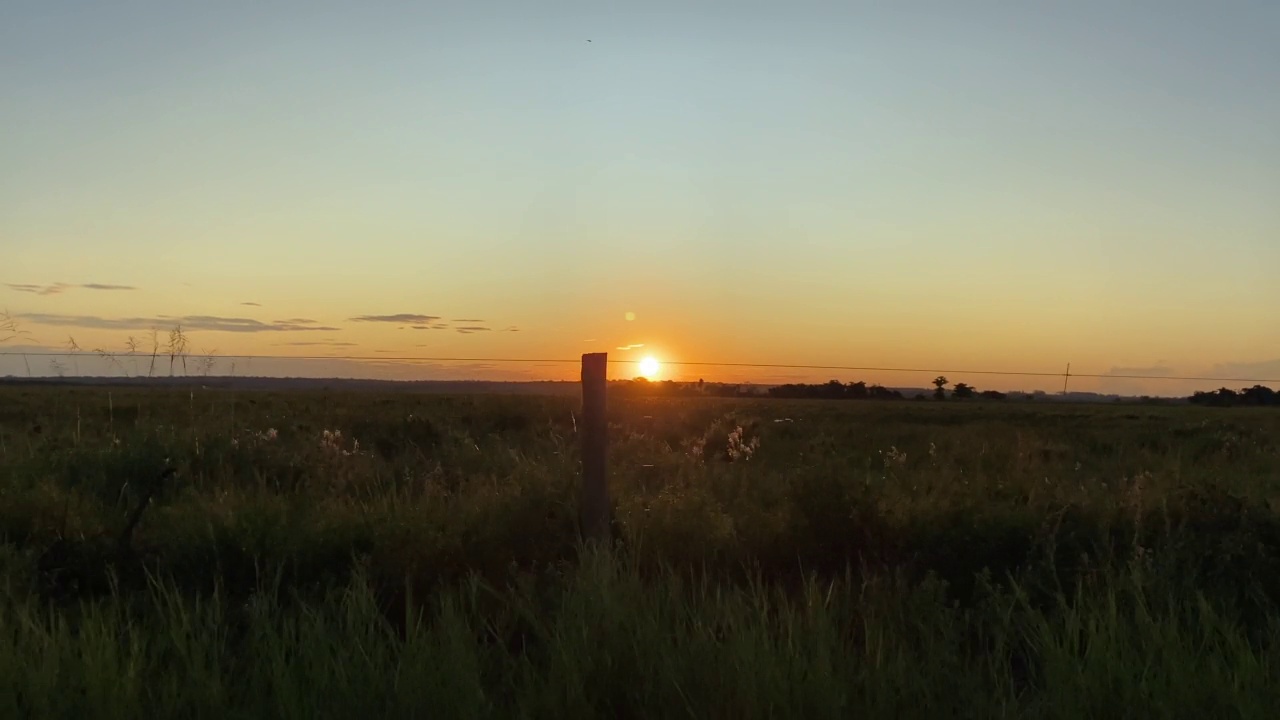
x=865 y=183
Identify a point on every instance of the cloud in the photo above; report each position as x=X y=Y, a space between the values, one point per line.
x=54 y=289
x=1157 y=370
x=320 y=343
x=408 y=318
x=1268 y=370
x=468 y=321
x=190 y=322
x=297 y=321
x=208 y=322
x=59 y=288
x=252 y=304
x=591 y=340
x=437 y=326
x=468 y=329
x=511 y=328
x=633 y=346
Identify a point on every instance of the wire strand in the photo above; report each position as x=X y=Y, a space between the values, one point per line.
x=678 y=363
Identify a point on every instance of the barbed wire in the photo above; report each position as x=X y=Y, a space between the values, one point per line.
x=675 y=363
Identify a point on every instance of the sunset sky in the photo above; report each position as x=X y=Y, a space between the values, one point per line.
x=927 y=185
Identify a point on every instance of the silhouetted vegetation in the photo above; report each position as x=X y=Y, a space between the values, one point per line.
x=8 y=327
x=830 y=390
x=835 y=390
x=642 y=387
x=192 y=552
x=331 y=554
x=1256 y=396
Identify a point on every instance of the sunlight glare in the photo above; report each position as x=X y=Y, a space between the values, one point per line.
x=649 y=367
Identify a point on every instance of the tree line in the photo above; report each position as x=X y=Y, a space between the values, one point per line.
x=831 y=390
x=1258 y=395
x=835 y=390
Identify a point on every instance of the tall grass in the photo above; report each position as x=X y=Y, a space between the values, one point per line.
x=603 y=640
x=772 y=559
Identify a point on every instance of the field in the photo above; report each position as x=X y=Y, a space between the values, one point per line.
x=209 y=553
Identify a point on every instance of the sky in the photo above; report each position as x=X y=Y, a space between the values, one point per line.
x=927 y=185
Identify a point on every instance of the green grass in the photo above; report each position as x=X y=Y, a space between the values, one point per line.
x=895 y=559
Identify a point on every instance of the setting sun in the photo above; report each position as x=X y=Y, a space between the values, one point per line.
x=649 y=368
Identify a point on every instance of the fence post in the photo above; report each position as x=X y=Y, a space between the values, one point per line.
x=595 y=488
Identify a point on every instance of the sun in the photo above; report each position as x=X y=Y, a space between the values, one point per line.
x=649 y=367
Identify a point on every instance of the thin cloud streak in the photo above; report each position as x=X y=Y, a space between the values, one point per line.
x=405 y=318
x=191 y=322
x=318 y=343
x=54 y=289
x=1159 y=370
x=59 y=288
x=471 y=329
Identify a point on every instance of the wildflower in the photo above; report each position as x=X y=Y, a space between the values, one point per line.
x=893 y=457
x=740 y=449
x=331 y=440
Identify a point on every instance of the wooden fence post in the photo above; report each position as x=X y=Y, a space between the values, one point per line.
x=595 y=488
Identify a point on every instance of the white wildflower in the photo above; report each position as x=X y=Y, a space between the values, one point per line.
x=893 y=457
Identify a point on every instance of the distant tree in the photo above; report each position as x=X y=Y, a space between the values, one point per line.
x=962 y=391
x=920 y=396
x=1226 y=397
x=879 y=392
x=992 y=395
x=940 y=384
x=1258 y=395
x=834 y=390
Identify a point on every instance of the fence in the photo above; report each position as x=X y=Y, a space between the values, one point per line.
x=594 y=510
x=115 y=364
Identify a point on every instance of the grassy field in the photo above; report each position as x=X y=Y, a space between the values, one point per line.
x=216 y=554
